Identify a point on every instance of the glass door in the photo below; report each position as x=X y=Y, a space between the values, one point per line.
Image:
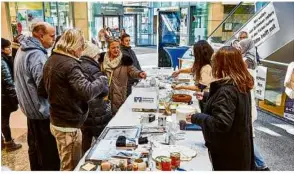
x=113 y=23
x=129 y=24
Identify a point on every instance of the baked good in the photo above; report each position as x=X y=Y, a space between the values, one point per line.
x=182 y=98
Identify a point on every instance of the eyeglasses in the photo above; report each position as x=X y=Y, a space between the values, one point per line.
x=242 y=37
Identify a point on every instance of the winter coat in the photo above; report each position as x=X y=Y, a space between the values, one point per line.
x=8 y=94
x=28 y=72
x=119 y=82
x=69 y=90
x=129 y=52
x=99 y=112
x=227 y=127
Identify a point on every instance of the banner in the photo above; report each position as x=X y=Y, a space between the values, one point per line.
x=260 y=82
x=263 y=25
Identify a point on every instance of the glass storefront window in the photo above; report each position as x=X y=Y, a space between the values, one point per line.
x=57 y=14
x=24 y=14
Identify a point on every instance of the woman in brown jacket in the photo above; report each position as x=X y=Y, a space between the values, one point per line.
x=118 y=68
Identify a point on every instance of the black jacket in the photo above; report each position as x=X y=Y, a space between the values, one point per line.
x=8 y=94
x=227 y=127
x=99 y=110
x=129 y=52
x=69 y=90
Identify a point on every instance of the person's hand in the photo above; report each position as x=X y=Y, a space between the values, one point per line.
x=143 y=75
x=199 y=95
x=176 y=73
x=189 y=118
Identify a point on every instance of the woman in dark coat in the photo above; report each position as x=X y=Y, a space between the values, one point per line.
x=8 y=96
x=127 y=50
x=99 y=110
x=226 y=120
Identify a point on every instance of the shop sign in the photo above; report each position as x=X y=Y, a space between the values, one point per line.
x=289 y=109
x=260 y=81
x=144 y=98
x=109 y=9
x=133 y=10
x=264 y=25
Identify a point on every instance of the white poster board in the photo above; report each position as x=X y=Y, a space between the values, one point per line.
x=263 y=25
x=144 y=98
x=261 y=72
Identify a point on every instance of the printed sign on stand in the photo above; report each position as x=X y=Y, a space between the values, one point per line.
x=263 y=25
x=144 y=98
x=261 y=72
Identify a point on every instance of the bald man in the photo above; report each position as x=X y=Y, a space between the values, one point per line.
x=29 y=62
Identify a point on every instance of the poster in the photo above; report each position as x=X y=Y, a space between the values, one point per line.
x=261 y=72
x=289 y=109
x=289 y=81
x=22 y=19
x=33 y=17
x=263 y=25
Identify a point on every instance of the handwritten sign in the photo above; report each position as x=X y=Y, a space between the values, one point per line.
x=260 y=82
x=263 y=25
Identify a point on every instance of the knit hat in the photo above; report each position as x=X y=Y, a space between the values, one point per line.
x=5 y=43
x=91 y=50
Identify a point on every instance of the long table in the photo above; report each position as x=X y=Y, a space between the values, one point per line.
x=192 y=139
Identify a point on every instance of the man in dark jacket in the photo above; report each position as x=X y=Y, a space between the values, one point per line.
x=69 y=92
x=8 y=96
x=126 y=49
x=99 y=109
x=28 y=66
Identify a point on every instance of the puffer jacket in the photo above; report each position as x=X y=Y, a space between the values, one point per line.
x=8 y=94
x=129 y=52
x=69 y=91
x=227 y=127
x=119 y=82
x=99 y=112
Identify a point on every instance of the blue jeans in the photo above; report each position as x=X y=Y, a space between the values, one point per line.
x=259 y=161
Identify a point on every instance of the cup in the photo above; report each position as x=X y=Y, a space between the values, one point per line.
x=182 y=124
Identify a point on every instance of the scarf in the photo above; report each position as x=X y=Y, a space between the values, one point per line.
x=108 y=65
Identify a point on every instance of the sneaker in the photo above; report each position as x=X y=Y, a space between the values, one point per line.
x=12 y=146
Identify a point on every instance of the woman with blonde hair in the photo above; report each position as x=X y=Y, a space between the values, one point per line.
x=69 y=92
x=226 y=119
x=118 y=68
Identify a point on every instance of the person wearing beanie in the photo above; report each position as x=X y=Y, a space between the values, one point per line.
x=99 y=109
x=8 y=97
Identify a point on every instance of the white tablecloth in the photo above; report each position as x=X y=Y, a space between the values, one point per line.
x=193 y=139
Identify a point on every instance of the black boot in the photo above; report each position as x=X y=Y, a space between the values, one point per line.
x=12 y=146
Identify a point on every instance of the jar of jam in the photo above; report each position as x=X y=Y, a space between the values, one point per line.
x=158 y=162
x=175 y=159
x=166 y=164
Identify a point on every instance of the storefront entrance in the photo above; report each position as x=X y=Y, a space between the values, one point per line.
x=130 y=25
x=108 y=21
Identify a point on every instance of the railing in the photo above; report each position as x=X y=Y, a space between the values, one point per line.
x=235 y=20
x=231 y=13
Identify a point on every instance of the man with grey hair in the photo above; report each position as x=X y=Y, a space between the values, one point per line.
x=28 y=65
